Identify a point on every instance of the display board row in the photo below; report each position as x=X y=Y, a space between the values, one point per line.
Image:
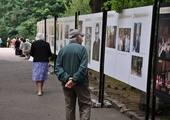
x=127 y=42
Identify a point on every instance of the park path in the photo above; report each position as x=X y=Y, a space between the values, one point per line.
x=18 y=94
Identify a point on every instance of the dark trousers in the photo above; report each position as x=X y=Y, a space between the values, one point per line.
x=17 y=51
x=81 y=93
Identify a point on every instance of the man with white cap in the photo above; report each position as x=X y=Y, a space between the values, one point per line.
x=71 y=69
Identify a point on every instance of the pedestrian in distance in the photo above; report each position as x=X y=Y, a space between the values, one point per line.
x=71 y=69
x=41 y=52
x=0 y=42
x=13 y=43
x=22 y=41
x=8 y=42
x=17 y=45
x=26 y=49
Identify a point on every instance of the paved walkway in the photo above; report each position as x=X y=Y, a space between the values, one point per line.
x=18 y=94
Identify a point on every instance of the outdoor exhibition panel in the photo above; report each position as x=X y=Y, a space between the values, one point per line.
x=92 y=26
x=127 y=46
x=162 y=77
x=127 y=42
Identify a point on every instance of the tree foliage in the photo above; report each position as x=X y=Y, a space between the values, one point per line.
x=19 y=17
x=119 y=5
x=74 y=6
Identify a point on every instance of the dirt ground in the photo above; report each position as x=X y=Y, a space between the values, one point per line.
x=121 y=92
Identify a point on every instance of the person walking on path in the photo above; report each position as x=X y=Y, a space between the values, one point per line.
x=17 y=45
x=41 y=52
x=26 y=49
x=0 y=42
x=8 y=42
x=71 y=69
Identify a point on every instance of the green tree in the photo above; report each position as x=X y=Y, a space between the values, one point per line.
x=27 y=28
x=96 y=5
x=17 y=14
x=74 y=6
x=119 y=5
x=3 y=33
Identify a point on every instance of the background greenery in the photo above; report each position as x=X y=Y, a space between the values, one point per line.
x=19 y=17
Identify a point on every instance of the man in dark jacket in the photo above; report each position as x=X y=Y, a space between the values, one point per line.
x=71 y=69
x=17 y=45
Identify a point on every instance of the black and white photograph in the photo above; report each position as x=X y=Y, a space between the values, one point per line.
x=136 y=66
x=88 y=36
x=66 y=31
x=111 y=36
x=137 y=37
x=96 y=43
x=124 y=39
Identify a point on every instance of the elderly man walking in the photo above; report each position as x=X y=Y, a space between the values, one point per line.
x=71 y=69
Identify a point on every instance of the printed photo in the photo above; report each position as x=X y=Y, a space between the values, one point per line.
x=80 y=26
x=136 y=66
x=67 y=32
x=164 y=43
x=111 y=36
x=51 y=30
x=61 y=31
x=88 y=35
x=137 y=37
x=57 y=32
x=124 y=39
x=96 y=43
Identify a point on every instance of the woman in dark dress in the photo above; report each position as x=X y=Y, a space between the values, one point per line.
x=41 y=52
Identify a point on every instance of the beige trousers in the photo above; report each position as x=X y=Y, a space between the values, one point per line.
x=81 y=93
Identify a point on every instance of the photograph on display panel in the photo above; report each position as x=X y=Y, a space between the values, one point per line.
x=124 y=39
x=38 y=27
x=137 y=37
x=61 y=36
x=57 y=31
x=164 y=43
x=88 y=38
x=136 y=66
x=50 y=35
x=96 y=43
x=162 y=77
x=80 y=26
x=61 y=31
x=66 y=31
x=111 y=36
x=51 y=30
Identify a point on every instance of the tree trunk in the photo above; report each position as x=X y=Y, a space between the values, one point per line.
x=96 y=5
